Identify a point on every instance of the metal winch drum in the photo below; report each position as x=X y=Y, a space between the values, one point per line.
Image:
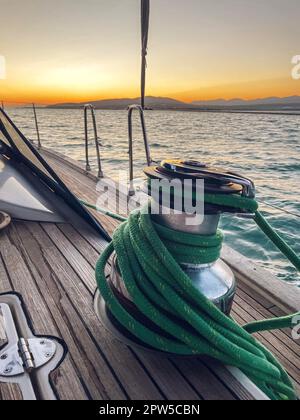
x=215 y=280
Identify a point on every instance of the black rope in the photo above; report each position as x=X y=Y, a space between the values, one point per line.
x=145 y=17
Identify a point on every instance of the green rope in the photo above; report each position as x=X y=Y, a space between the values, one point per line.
x=104 y=211
x=148 y=258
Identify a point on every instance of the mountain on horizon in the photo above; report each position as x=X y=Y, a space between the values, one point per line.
x=123 y=103
x=291 y=103
x=290 y=100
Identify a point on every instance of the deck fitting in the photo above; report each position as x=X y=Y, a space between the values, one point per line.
x=26 y=356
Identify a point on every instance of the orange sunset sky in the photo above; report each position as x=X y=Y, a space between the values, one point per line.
x=79 y=50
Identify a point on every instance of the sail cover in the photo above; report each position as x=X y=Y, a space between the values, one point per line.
x=15 y=144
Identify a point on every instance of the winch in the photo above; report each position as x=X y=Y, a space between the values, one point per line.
x=215 y=280
x=170 y=186
x=168 y=290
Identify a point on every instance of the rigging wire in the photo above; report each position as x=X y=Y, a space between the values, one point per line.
x=281 y=209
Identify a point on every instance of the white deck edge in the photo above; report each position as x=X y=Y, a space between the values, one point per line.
x=286 y=296
x=247 y=384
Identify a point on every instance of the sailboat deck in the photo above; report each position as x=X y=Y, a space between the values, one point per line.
x=52 y=267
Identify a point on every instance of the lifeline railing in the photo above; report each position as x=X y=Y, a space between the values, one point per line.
x=39 y=145
x=131 y=109
x=86 y=132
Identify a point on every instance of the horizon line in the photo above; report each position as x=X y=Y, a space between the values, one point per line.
x=137 y=98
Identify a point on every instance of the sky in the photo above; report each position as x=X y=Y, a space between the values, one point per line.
x=79 y=50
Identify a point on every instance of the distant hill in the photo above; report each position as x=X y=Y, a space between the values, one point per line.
x=272 y=103
x=151 y=102
x=275 y=104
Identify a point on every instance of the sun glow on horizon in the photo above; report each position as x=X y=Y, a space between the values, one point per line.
x=73 y=86
x=243 y=50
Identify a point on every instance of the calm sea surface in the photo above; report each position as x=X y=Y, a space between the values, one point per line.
x=265 y=148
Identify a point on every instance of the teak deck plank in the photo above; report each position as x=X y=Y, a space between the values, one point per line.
x=203 y=380
x=261 y=281
x=238 y=315
x=9 y=392
x=41 y=318
x=80 y=293
x=226 y=378
x=5 y=284
x=287 y=358
x=171 y=383
x=256 y=298
x=258 y=312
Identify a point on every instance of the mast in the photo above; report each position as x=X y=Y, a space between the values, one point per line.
x=145 y=18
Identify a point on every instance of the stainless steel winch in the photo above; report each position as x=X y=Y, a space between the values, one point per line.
x=214 y=280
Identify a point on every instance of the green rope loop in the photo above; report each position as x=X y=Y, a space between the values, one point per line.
x=149 y=257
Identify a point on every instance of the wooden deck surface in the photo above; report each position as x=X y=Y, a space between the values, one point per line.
x=52 y=267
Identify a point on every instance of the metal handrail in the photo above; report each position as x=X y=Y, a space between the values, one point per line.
x=88 y=167
x=131 y=109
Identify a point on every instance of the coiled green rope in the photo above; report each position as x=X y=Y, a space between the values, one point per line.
x=148 y=258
